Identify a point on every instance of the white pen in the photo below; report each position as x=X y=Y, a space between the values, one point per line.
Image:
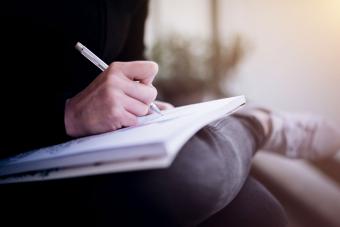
x=102 y=65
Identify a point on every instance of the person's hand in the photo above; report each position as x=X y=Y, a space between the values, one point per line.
x=113 y=100
x=163 y=105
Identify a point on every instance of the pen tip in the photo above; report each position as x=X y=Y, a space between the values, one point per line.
x=155 y=109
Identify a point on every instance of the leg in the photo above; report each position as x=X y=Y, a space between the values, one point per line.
x=295 y=135
x=207 y=174
x=254 y=206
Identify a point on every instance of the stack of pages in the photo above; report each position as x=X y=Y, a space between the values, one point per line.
x=154 y=143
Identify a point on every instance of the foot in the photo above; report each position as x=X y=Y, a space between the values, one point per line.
x=297 y=135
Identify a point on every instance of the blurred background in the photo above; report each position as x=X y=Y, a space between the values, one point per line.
x=282 y=54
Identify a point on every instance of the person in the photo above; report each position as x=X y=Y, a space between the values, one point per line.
x=53 y=94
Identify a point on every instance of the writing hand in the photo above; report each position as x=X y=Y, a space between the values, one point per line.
x=113 y=100
x=163 y=105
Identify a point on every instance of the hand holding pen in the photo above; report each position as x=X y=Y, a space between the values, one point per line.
x=103 y=66
x=114 y=99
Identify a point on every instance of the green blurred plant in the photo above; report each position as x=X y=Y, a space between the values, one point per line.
x=192 y=69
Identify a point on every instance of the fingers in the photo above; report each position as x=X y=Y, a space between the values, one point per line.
x=129 y=119
x=126 y=75
x=143 y=71
x=164 y=105
x=118 y=117
x=144 y=93
x=133 y=96
x=135 y=107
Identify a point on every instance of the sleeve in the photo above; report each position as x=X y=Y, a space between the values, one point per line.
x=32 y=88
x=36 y=76
x=134 y=46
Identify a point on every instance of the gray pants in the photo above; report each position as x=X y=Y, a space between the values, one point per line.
x=207 y=185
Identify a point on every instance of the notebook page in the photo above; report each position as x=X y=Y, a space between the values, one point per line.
x=151 y=129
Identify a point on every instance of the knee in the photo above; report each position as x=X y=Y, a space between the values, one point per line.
x=198 y=184
x=205 y=176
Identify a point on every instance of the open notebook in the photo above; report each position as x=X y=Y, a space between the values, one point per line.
x=154 y=143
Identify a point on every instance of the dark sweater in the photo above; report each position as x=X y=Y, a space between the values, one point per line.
x=41 y=68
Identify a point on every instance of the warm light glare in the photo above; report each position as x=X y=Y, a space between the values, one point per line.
x=294 y=59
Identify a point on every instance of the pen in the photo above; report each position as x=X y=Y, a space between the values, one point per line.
x=102 y=65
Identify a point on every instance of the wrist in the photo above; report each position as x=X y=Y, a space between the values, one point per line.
x=69 y=119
